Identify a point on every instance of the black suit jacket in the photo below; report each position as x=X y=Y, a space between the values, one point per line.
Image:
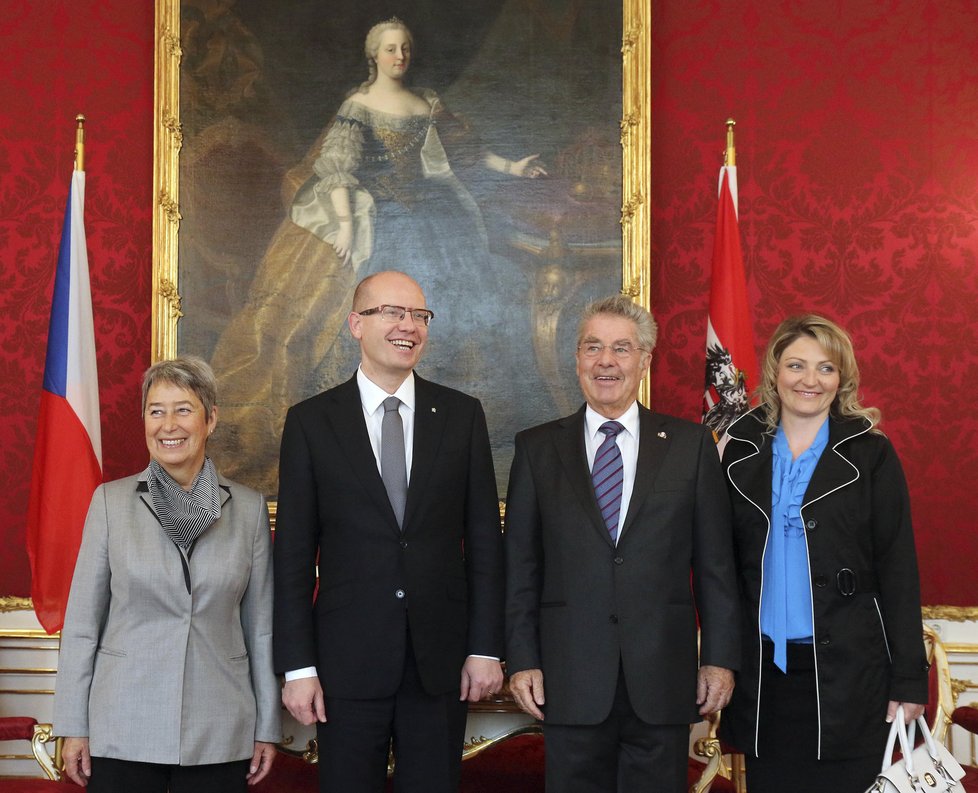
x=577 y=605
x=441 y=576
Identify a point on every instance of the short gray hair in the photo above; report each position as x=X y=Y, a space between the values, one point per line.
x=187 y=372
x=620 y=306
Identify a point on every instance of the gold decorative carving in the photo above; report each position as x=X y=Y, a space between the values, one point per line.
x=11 y=603
x=475 y=746
x=959 y=686
x=168 y=292
x=950 y=613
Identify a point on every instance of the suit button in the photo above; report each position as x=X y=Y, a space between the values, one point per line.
x=821 y=581
x=399 y=594
x=811 y=524
x=614 y=619
x=619 y=560
x=404 y=543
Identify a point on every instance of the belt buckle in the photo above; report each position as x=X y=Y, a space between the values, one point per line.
x=845 y=580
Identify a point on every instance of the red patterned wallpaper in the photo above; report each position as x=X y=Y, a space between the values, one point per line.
x=62 y=57
x=858 y=161
x=858 y=169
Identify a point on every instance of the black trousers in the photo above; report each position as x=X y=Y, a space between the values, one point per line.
x=126 y=776
x=427 y=733
x=787 y=739
x=622 y=754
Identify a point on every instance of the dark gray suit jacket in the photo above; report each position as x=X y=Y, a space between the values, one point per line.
x=577 y=605
x=441 y=576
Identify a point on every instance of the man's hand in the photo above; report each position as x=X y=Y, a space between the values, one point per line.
x=77 y=760
x=481 y=678
x=303 y=698
x=714 y=685
x=527 y=689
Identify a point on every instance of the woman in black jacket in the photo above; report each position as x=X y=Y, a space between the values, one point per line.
x=827 y=568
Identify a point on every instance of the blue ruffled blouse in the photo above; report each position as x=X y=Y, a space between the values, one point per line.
x=786 y=597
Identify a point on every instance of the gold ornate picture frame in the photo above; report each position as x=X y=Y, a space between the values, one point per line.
x=560 y=268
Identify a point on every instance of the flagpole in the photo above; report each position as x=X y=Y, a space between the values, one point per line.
x=80 y=143
x=730 y=156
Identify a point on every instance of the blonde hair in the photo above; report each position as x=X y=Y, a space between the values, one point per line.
x=372 y=44
x=837 y=343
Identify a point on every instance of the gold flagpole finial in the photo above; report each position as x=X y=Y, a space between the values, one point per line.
x=80 y=143
x=730 y=156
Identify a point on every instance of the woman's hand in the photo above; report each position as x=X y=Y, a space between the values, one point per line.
x=528 y=168
x=77 y=760
x=343 y=244
x=911 y=711
x=261 y=762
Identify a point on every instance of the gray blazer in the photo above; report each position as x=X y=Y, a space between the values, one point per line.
x=150 y=671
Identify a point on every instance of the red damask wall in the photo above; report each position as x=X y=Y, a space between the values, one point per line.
x=62 y=57
x=858 y=161
x=858 y=168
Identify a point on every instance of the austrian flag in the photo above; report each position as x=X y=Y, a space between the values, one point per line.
x=731 y=363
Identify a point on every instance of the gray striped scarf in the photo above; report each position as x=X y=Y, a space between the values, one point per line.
x=185 y=514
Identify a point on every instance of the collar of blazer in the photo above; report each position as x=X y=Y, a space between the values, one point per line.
x=142 y=488
x=343 y=412
x=750 y=470
x=653 y=443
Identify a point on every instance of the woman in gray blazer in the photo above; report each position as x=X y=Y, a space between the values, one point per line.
x=165 y=678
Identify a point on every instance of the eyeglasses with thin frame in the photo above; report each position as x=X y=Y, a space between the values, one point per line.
x=422 y=316
x=621 y=350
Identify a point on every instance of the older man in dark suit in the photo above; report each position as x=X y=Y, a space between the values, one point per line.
x=617 y=538
x=388 y=481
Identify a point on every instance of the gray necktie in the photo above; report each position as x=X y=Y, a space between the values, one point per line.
x=392 y=464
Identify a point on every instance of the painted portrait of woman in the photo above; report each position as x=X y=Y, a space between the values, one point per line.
x=396 y=179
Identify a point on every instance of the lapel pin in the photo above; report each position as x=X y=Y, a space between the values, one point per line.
x=434 y=410
x=662 y=435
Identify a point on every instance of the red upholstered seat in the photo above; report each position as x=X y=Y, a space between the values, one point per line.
x=22 y=728
x=967 y=718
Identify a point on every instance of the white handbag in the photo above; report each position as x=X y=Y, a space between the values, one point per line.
x=930 y=768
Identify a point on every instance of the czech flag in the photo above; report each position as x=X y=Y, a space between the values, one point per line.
x=68 y=449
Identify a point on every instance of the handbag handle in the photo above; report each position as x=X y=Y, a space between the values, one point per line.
x=898 y=729
x=925 y=732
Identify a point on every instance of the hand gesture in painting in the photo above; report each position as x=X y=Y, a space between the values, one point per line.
x=528 y=167
x=343 y=244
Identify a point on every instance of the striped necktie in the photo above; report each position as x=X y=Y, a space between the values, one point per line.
x=608 y=478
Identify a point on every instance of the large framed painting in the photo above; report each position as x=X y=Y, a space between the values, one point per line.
x=511 y=183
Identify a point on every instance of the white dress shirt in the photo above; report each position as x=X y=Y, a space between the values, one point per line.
x=627 y=441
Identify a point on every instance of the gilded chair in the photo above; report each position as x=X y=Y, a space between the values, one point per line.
x=966 y=717
x=43 y=742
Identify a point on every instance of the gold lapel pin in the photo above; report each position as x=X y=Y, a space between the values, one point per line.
x=662 y=435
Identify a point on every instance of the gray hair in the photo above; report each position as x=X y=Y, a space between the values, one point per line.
x=187 y=372
x=372 y=45
x=626 y=308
